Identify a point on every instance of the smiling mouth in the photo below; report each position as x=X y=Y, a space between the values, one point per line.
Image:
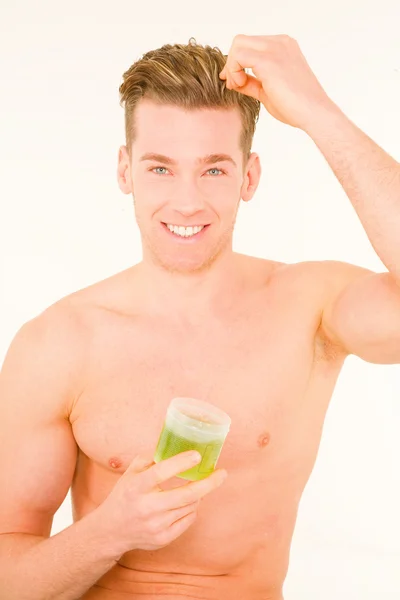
x=185 y=232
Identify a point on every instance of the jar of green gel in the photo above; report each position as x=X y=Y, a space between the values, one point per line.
x=192 y=424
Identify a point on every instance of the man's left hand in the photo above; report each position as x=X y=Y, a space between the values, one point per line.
x=284 y=82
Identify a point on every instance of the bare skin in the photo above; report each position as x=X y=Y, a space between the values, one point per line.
x=85 y=386
x=269 y=366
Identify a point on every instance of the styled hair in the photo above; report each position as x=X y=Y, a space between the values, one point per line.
x=187 y=76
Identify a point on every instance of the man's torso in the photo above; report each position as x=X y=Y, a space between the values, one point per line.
x=266 y=363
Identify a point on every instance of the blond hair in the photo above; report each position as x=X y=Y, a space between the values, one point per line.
x=186 y=76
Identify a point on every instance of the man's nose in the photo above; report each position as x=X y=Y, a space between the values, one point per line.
x=188 y=200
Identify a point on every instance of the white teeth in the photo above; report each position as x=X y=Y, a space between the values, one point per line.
x=185 y=231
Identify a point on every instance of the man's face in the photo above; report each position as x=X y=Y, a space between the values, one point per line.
x=188 y=193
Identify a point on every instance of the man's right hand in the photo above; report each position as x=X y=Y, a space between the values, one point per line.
x=141 y=516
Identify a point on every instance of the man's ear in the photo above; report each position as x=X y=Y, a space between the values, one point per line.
x=252 y=177
x=124 y=171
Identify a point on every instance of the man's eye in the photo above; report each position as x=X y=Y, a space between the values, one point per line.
x=212 y=169
x=215 y=169
x=157 y=168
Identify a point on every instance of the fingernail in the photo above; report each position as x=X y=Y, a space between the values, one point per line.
x=195 y=456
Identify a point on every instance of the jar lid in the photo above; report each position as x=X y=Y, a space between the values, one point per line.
x=199 y=415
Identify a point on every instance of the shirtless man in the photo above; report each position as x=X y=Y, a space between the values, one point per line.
x=85 y=385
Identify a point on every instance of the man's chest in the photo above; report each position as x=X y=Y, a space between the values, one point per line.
x=257 y=374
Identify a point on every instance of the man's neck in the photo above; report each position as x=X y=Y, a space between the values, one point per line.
x=190 y=297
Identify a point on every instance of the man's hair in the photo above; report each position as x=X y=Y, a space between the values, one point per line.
x=187 y=76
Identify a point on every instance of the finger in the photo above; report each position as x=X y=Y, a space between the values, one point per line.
x=235 y=71
x=139 y=464
x=244 y=54
x=232 y=65
x=235 y=79
x=180 y=526
x=238 y=77
x=250 y=86
x=172 y=516
x=170 y=467
x=186 y=494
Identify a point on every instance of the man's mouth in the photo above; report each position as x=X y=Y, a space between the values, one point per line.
x=185 y=231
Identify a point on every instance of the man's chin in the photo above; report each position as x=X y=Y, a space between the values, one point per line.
x=189 y=262
x=184 y=267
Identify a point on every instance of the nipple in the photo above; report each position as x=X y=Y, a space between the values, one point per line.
x=264 y=439
x=114 y=462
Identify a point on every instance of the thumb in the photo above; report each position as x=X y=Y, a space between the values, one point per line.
x=139 y=464
x=248 y=85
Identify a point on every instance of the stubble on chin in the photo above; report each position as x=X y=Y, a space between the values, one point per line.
x=173 y=266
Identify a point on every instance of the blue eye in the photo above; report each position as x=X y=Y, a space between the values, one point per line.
x=212 y=169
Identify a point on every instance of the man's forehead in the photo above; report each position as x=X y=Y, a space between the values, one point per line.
x=172 y=135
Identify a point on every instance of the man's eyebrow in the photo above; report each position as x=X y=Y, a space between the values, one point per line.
x=208 y=160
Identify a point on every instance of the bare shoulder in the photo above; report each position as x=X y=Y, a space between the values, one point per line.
x=56 y=330
x=45 y=353
x=321 y=283
x=288 y=283
x=114 y=294
x=53 y=347
x=329 y=272
x=334 y=272
x=311 y=287
x=309 y=276
x=321 y=279
x=327 y=279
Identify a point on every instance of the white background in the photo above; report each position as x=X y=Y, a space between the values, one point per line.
x=64 y=223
